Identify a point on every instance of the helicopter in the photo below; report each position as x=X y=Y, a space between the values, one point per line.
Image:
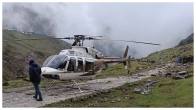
x=80 y=60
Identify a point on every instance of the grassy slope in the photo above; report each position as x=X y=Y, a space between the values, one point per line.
x=171 y=53
x=165 y=94
x=15 y=52
x=119 y=69
x=187 y=40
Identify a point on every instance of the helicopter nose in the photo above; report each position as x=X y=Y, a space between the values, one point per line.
x=46 y=70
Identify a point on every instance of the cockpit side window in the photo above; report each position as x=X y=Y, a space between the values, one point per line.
x=62 y=65
x=47 y=60
x=57 y=62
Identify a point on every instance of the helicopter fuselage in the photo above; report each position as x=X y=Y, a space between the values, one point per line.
x=78 y=61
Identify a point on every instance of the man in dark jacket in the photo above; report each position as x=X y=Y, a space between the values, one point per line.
x=35 y=78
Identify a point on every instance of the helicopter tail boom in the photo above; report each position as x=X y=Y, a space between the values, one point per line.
x=124 y=59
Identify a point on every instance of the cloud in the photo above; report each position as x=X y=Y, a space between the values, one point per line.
x=164 y=23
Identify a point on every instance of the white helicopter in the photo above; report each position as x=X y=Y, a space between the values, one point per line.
x=80 y=60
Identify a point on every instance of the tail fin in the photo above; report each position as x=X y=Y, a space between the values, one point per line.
x=126 y=52
x=125 y=56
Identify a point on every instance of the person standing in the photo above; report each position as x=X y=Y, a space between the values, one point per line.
x=35 y=78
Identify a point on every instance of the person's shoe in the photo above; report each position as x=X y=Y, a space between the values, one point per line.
x=39 y=99
x=34 y=97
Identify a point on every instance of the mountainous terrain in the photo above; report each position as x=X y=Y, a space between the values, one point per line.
x=187 y=40
x=16 y=53
x=183 y=49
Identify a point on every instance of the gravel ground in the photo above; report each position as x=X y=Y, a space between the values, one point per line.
x=24 y=97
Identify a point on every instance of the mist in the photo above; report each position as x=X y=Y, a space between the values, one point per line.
x=164 y=23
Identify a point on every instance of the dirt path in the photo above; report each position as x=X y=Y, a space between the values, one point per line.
x=24 y=98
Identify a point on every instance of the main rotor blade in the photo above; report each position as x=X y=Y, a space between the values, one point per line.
x=92 y=36
x=149 y=43
x=86 y=38
x=46 y=38
x=69 y=38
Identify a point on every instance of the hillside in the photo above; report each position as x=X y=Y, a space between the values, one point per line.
x=170 y=55
x=187 y=40
x=16 y=53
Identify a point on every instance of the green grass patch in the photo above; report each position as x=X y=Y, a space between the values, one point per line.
x=119 y=69
x=166 y=93
x=16 y=83
x=45 y=83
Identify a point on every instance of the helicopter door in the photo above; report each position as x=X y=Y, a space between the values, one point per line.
x=80 y=65
x=72 y=66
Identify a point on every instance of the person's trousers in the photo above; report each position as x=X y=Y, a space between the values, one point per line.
x=37 y=91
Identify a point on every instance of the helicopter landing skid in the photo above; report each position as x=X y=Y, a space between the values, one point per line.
x=75 y=83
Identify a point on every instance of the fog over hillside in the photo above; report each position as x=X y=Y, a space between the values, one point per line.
x=164 y=23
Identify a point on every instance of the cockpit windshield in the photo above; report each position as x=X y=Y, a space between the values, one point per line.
x=56 y=61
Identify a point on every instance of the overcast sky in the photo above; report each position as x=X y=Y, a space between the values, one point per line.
x=164 y=23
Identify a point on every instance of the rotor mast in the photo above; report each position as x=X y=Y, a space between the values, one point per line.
x=78 y=40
